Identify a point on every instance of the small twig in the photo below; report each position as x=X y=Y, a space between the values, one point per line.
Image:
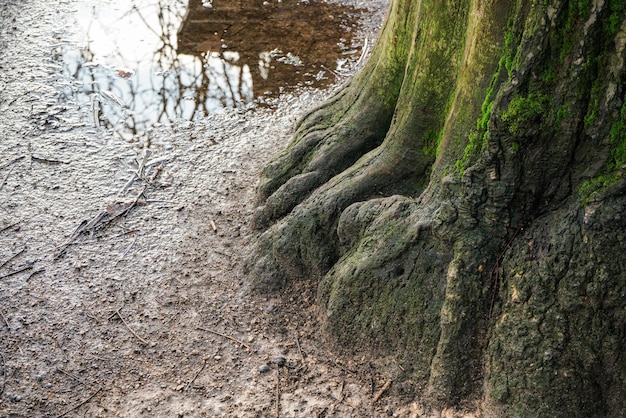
x=301 y=353
x=226 y=336
x=13 y=161
x=223 y=254
x=278 y=392
x=132 y=205
x=80 y=404
x=330 y=70
x=114 y=313
x=127 y=185
x=130 y=329
x=12 y=257
x=381 y=391
x=6 y=178
x=121 y=234
x=72 y=376
x=213 y=226
x=75 y=234
x=5 y=320
x=4 y=228
x=34 y=273
x=196 y=375
x=127 y=250
x=5 y=374
x=13 y=273
x=48 y=160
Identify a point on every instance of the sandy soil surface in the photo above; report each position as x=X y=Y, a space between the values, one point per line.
x=121 y=293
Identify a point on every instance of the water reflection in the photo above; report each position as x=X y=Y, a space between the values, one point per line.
x=144 y=62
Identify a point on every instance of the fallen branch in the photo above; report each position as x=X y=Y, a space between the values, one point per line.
x=130 y=329
x=381 y=391
x=101 y=220
x=80 y=404
x=196 y=375
x=226 y=336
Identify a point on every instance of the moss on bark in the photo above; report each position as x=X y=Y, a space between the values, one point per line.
x=491 y=270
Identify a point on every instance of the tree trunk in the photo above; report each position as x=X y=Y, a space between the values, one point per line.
x=461 y=203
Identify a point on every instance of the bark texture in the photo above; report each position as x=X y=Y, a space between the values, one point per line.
x=461 y=204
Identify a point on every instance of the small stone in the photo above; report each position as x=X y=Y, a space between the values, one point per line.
x=264 y=368
x=280 y=361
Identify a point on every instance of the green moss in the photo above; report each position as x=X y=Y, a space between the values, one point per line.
x=562 y=113
x=509 y=61
x=523 y=109
x=548 y=76
x=592 y=187
x=431 y=143
x=612 y=172
x=573 y=16
x=616 y=7
x=594 y=103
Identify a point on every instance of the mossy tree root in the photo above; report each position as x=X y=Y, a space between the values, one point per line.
x=480 y=245
x=334 y=136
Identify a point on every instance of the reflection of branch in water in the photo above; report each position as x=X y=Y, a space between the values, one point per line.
x=150 y=98
x=228 y=85
x=180 y=68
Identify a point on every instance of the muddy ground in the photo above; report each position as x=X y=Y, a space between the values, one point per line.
x=121 y=293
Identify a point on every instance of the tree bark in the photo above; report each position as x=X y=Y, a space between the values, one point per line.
x=461 y=204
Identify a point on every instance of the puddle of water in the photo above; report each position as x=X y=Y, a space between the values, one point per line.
x=141 y=63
